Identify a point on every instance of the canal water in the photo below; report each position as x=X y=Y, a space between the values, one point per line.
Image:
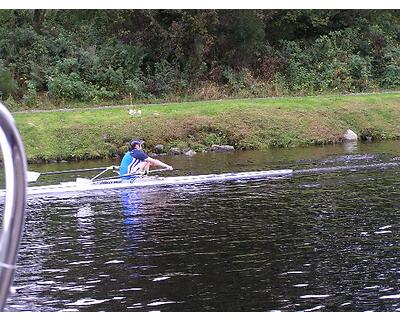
x=323 y=239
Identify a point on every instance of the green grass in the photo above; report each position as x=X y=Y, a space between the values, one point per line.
x=245 y=123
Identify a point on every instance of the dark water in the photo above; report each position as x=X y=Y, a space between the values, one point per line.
x=319 y=240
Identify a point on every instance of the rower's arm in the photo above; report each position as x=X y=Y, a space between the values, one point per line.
x=158 y=163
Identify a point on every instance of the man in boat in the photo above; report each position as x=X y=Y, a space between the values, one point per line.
x=135 y=161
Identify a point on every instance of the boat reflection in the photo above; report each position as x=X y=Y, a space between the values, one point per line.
x=131 y=203
x=133 y=219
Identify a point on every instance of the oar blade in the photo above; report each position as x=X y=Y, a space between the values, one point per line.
x=32 y=176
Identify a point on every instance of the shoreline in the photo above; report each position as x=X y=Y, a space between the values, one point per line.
x=244 y=124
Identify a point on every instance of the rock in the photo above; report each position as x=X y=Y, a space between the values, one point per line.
x=190 y=153
x=222 y=148
x=175 y=151
x=350 y=135
x=158 y=148
x=366 y=137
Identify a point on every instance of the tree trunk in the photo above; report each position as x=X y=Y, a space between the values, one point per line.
x=38 y=18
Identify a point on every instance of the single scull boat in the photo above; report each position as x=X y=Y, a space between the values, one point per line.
x=83 y=185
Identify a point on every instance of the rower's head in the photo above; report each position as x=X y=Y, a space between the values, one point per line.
x=135 y=144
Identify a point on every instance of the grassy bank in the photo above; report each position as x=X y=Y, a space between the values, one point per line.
x=246 y=124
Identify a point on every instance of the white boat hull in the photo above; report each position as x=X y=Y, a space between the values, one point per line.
x=81 y=185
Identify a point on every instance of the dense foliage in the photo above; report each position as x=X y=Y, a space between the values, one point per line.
x=59 y=56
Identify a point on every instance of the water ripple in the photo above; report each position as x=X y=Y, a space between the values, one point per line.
x=323 y=240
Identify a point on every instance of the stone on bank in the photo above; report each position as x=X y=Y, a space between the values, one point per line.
x=222 y=148
x=350 y=135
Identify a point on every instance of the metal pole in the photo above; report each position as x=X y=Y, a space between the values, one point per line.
x=15 y=168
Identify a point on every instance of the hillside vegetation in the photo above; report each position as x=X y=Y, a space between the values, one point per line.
x=75 y=58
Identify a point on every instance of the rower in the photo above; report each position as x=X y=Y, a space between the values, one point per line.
x=135 y=161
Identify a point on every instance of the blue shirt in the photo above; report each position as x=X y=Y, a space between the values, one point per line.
x=131 y=161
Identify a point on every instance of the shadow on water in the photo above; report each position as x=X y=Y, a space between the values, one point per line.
x=319 y=240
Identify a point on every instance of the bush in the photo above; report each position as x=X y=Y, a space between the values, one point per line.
x=298 y=73
x=8 y=85
x=391 y=70
x=69 y=87
x=216 y=138
x=234 y=80
x=164 y=79
x=135 y=87
x=30 y=98
x=360 y=69
x=331 y=63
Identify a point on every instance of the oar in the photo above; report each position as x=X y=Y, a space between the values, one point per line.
x=128 y=175
x=33 y=176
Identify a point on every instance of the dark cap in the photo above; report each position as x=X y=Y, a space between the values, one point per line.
x=135 y=142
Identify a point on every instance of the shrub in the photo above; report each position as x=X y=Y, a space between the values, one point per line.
x=69 y=87
x=360 y=69
x=30 y=98
x=391 y=69
x=164 y=79
x=215 y=138
x=135 y=86
x=234 y=80
x=8 y=85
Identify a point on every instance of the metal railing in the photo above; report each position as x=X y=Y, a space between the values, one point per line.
x=15 y=168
